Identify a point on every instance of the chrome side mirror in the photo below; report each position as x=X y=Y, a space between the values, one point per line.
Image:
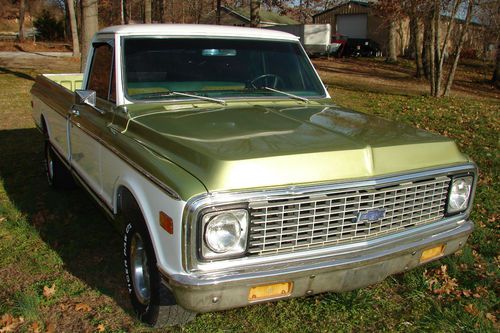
x=87 y=97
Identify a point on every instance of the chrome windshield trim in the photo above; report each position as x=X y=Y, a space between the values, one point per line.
x=215 y=199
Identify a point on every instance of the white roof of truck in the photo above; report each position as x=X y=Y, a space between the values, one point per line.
x=196 y=30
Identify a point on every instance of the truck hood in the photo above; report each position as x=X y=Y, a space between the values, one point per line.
x=247 y=145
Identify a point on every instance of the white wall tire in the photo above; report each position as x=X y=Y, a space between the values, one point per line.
x=153 y=303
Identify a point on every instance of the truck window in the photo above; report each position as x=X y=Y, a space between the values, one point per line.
x=100 y=76
x=216 y=68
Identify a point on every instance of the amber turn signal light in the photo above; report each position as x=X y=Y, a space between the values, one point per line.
x=167 y=223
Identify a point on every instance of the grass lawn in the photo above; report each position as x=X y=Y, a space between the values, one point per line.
x=60 y=260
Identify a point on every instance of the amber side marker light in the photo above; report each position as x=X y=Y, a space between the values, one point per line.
x=167 y=223
x=270 y=291
x=433 y=252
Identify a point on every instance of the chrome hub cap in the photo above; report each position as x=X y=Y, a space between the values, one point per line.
x=140 y=269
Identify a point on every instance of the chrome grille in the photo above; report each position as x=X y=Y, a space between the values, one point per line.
x=294 y=223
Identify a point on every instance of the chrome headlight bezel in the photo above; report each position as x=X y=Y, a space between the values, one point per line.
x=468 y=181
x=209 y=252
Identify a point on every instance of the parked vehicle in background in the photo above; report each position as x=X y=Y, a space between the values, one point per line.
x=360 y=47
x=315 y=38
x=338 y=44
x=233 y=176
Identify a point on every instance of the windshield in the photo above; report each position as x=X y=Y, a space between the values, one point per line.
x=217 y=68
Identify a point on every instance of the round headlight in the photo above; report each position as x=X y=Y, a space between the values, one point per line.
x=223 y=233
x=459 y=194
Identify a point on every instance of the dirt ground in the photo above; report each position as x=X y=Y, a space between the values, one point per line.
x=374 y=75
x=30 y=46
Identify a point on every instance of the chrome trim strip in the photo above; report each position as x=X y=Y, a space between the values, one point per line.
x=212 y=200
x=170 y=192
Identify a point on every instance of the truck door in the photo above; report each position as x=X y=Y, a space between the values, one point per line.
x=87 y=123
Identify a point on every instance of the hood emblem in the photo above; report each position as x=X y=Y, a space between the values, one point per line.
x=370 y=215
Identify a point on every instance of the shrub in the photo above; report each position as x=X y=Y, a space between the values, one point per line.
x=48 y=27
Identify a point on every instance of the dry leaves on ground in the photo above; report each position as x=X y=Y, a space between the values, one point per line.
x=470 y=308
x=50 y=328
x=100 y=328
x=35 y=327
x=440 y=282
x=83 y=307
x=491 y=317
x=48 y=292
x=8 y=323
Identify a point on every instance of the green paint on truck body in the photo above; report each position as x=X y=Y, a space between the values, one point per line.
x=268 y=143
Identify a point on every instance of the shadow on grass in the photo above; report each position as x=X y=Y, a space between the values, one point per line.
x=4 y=70
x=68 y=221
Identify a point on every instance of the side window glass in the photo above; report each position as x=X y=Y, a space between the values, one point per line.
x=100 y=71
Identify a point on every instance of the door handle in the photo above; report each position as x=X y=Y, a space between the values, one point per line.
x=74 y=112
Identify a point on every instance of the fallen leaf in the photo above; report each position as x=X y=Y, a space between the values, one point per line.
x=100 y=328
x=10 y=324
x=2 y=219
x=470 y=308
x=48 y=292
x=50 y=328
x=82 y=307
x=35 y=327
x=64 y=307
x=491 y=317
x=466 y=293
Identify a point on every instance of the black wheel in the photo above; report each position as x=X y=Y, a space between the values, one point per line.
x=58 y=176
x=153 y=302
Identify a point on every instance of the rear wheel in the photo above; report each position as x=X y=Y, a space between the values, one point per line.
x=152 y=301
x=58 y=176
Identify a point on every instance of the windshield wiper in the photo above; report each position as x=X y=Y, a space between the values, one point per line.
x=303 y=99
x=175 y=93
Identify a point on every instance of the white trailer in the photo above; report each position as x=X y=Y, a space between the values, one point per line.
x=316 y=38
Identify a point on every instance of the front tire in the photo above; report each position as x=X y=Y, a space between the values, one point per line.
x=153 y=302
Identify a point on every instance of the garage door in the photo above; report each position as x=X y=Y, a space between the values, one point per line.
x=352 y=26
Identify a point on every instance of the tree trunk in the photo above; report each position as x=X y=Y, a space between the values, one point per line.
x=391 y=52
x=496 y=72
x=147 y=11
x=463 y=32
x=437 y=53
x=22 y=7
x=412 y=46
x=217 y=18
x=74 y=30
x=90 y=25
x=432 y=56
x=426 y=48
x=254 y=13
x=417 y=46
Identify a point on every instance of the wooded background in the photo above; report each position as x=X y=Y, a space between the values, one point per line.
x=430 y=34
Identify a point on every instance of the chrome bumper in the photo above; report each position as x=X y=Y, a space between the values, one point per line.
x=340 y=272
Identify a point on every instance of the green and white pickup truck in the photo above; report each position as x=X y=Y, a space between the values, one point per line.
x=233 y=176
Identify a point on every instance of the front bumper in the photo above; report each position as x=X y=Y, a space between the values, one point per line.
x=340 y=272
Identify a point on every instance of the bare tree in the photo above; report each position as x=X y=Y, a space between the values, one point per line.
x=463 y=32
x=254 y=13
x=392 y=12
x=74 y=30
x=147 y=11
x=391 y=49
x=22 y=7
x=90 y=25
x=489 y=15
x=496 y=73
x=217 y=19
